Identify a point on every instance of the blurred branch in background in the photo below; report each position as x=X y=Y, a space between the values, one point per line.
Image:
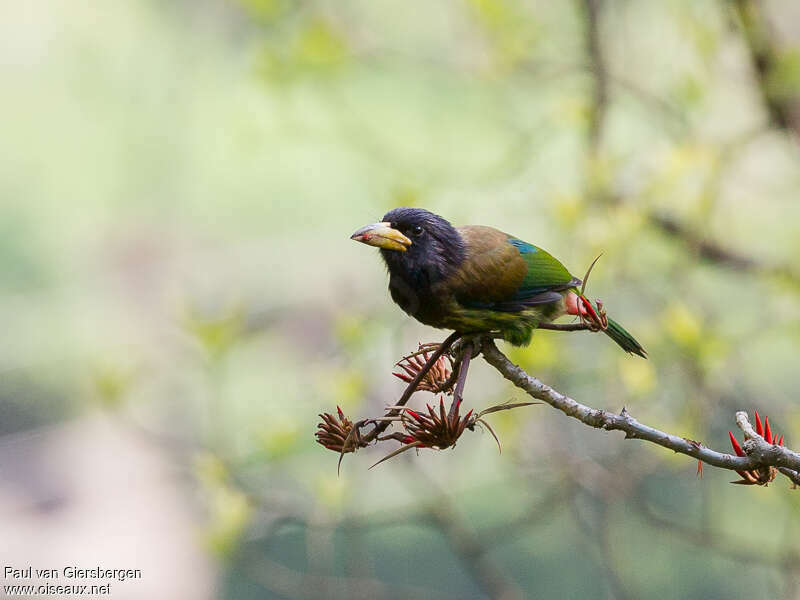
x=737 y=548
x=712 y=251
x=470 y=546
x=280 y=579
x=597 y=62
x=783 y=108
x=776 y=68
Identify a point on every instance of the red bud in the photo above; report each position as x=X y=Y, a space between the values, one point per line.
x=589 y=308
x=736 y=447
x=413 y=414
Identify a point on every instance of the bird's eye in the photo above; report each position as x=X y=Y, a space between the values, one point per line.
x=417 y=230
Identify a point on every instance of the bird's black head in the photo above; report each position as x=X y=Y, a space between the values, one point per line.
x=417 y=245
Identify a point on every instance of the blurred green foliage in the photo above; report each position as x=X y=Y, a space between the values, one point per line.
x=178 y=187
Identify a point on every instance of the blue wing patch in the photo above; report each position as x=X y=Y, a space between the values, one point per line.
x=523 y=247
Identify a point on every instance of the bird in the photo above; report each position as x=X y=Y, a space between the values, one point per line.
x=476 y=279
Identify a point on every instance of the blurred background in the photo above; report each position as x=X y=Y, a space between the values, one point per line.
x=180 y=298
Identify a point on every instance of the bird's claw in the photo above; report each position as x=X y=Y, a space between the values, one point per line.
x=595 y=320
x=476 y=341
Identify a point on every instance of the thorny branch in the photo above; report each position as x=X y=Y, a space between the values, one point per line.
x=759 y=452
x=566 y=326
x=412 y=387
x=761 y=457
x=434 y=429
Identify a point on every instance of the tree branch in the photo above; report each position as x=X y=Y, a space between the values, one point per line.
x=760 y=453
x=598 y=67
x=783 y=112
x=564 y=326
x=470 y=546
x=734 y=548
x=412 y=387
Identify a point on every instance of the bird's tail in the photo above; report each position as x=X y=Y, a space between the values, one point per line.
x=594 y=312
x=624 y=339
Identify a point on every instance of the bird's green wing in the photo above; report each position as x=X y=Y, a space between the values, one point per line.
x=504 y=273
x=545 y=273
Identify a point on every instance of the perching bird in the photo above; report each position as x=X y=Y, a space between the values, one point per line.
x=477 y=279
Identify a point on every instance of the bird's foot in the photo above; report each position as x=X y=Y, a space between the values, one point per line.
x=475 y=341
x=469 y=348
x=595 y=320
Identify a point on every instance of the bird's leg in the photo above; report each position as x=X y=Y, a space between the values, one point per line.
x=448 y=385
x=458 y=394
x=412 y=387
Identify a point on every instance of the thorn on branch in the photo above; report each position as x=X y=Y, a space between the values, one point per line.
x=757 y=461
x=762 y=475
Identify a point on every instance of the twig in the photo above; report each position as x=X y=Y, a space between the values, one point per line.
x=777 y=456
x=767 y=454
x=565 y=326
x=412 y=387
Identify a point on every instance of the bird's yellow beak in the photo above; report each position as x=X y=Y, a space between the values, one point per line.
x=383 y=236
